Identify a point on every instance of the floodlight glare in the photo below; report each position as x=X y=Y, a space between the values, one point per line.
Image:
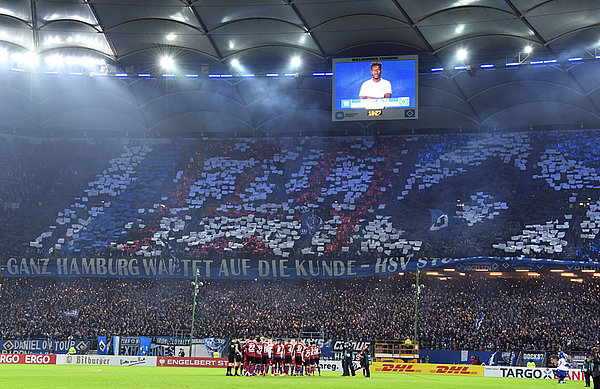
x=167 y=62
x=459 y=28
x=54 y=60
x=171 y=37
x=235 y=63
x=296 y=62
x=528 y=49
x=462 y=54
x=29 y=59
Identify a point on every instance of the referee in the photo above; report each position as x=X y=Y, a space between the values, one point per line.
x=234 y=356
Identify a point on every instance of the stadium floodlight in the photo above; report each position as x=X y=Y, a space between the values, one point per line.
x=235 y=63
x=166 y=62
x=295 y=62
x=533 y=274
x=496 y=273
x=462 y=54
x=459 y=29
x=576 y=279
x=449 y=269
x=567 y=274
x=596 y=274
x=171 y=37
x=528 y=49
x=556 y=270
x=587 y=271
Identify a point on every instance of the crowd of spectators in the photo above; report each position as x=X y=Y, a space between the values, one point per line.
x=514 y=312
x=38 y=177
x=372 y=196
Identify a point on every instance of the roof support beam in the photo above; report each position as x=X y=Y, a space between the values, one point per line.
x=101 y=29
x=432 y=52
x=306 y=27
x=189 y=4
x=34 y=25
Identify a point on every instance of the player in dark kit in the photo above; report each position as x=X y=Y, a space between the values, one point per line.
x=238 y=356
x=233 y=349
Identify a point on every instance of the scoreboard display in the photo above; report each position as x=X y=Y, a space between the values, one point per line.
x=375 y=88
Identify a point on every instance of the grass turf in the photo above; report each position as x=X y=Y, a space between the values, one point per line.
x=68 y=377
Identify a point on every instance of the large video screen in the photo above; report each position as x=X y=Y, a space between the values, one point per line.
x=375 y=88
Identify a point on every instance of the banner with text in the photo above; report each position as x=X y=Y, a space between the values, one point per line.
x=244 y=268
x=42 y=346
x=540 y=373
x=27 y=359
x=427 y=368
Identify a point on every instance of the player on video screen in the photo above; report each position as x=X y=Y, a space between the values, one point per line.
x=376 y=87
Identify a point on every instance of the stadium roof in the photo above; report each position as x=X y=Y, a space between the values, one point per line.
x=205 y=36
x=208 y=31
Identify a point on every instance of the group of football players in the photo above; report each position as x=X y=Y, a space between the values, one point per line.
x=254 y=357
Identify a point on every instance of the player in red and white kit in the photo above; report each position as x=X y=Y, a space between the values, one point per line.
x=259 y=357
x=298 y=354
x=288 y=357
x=315 y=354
x=268 y=355
x=278 y=353
x=250 y=353
x=307 y=356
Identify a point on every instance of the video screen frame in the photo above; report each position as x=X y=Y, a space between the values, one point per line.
x=400 y=72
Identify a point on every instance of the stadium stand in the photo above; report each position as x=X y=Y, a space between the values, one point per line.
x=520 y=312
x=374 y=198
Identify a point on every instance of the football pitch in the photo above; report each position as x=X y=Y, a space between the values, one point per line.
x=68 y=377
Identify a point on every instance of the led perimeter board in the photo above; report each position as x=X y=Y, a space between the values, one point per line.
x=375 y=88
